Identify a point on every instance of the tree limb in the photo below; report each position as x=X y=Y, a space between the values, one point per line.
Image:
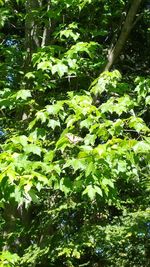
x=126 y=29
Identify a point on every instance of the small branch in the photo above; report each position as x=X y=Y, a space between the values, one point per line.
x=2 y=112
x=133 y=131
x=46 y=30
x=137 y=19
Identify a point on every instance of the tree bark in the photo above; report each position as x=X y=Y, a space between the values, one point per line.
x=12 y=215
x=47 y=29
x=126 y=29
x=36 y=35
x=32 y=28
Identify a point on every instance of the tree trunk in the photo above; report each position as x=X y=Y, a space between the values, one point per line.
x=32 y=29
x=126 y=29
x=12 y=215
x=36 y=34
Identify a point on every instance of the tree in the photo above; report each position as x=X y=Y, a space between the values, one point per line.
x=74 y=171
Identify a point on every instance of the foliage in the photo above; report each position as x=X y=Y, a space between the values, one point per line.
x=75 y=144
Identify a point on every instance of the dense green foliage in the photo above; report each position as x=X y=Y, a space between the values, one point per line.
x=74 y=139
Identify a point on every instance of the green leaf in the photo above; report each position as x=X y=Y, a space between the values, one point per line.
x=33 y=196
x=65 y=185
x=100 y=150
x=23 y=94
x=18 y=195
x=118 y=105
x=98 y=190
x=42 y=116
x=90 y=191
x=62 y=143
x=38 y=133
x=4 y=15
x=60 y=68
x=44 y=65
x=30 y=75
x=53 y=124
x=106 y=181
x=7 y=258
x=90 y=139
x=69 y=33
x=76 y=164
x=76 y=254
x=22 y=139
x=90 y=169
x=34 y=149
x=49 y=156
x=142 y=147
x=87 y=122
x=55 y=109
x=138 y=124
x=147 y=101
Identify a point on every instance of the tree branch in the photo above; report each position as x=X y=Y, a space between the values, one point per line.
x=126 y=29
